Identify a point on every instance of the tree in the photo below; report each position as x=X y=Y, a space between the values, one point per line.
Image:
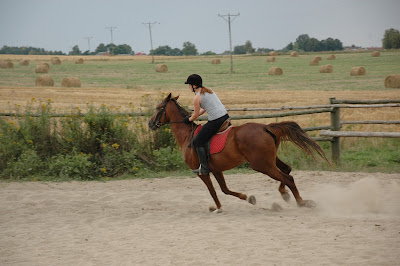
x=75 y=51
x=101 y=48
x=249 y=47
x=302 y=41
x=123 y=49
x=208 y=53
x=189 y=49
x=239 y=49
x=391 y=39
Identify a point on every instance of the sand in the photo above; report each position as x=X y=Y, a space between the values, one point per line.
x=167 y=222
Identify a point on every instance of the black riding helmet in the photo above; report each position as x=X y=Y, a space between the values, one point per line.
x=195 y=79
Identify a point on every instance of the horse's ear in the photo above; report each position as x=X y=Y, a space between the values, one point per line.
x=176 y=98
x=168 y=98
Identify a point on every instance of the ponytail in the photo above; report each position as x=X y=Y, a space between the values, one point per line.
x=205 y=89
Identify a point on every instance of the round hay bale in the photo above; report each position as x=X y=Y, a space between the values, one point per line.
x=376 y=54
x=55 y=61
x=357 y=71
x=317 y=58
x=273 y=53
x=275 y=71
x=294 y=54
x=42 y=68
x=392 y=81
x=24 y=62
x=331 y=57
x=44 y=81
x=70 y=82
x=162 y=68
x=6 y=64
x=314 y=62
x=78 y=61
x=326 y=69
x=271 y=59
x=216 y=61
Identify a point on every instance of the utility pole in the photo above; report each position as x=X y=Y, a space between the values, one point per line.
x=88 y=40
x=229 y=20
x=112 y=41
x=150 y=24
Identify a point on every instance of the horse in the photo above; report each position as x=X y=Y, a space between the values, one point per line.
x=254 y=143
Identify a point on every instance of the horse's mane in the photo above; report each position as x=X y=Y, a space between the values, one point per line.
x=181 y=110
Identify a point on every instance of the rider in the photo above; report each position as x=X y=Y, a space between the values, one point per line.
x=205 y=100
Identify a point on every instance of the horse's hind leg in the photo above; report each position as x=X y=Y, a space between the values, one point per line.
x=221 y=181
x=285 y=169
x=273 y=171
x=207 y=180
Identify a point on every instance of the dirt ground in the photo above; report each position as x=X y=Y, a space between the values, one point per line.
x=167 y=222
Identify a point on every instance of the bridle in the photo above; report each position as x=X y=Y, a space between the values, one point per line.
x=157 y=123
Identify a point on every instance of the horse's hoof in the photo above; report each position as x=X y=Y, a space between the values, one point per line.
x=212 y=209
x=252 y=200
x=308 y=204
x=276 y=207
x=285 y=196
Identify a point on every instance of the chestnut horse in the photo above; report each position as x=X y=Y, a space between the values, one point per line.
x=251 y=142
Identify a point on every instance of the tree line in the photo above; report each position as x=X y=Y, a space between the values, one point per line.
x=391 y=40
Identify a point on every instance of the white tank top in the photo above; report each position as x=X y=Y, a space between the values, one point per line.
x=213 y=106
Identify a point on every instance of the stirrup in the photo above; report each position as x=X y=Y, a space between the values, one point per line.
x=201 y=171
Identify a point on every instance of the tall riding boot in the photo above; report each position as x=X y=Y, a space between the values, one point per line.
x=203 y=169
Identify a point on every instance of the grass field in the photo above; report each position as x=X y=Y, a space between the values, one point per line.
x=131 y=83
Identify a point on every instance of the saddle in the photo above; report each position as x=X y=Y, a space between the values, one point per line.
x=217 y=143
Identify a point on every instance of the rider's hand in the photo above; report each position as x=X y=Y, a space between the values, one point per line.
x=186 y=120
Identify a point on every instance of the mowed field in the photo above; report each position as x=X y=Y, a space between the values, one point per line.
x=131 y=83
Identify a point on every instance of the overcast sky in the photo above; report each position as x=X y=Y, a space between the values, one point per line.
x=61 y=24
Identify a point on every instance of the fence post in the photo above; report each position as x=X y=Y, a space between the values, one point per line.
x=335 y=126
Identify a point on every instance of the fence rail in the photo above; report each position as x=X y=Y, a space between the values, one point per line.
x=330 y=133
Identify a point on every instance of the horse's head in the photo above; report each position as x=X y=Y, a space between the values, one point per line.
x=161 y=115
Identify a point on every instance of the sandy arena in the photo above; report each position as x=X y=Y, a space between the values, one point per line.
x=167 y=222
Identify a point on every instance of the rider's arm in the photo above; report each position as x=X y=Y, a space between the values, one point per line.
x=197 y=110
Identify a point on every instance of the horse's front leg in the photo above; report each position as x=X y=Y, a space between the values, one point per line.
x=207 y=180
x=221 y=181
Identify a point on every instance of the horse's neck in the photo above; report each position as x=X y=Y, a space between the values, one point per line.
x=182 y=133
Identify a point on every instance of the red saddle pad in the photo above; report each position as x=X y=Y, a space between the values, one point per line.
x=218 y=141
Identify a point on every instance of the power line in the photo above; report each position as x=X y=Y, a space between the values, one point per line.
x=150 y=24
x=112 y=41
x=229 y=20
x=88 y=39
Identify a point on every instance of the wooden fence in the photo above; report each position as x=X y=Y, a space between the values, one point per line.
x=330 y=132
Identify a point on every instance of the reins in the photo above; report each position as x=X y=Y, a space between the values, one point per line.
x=162 y=111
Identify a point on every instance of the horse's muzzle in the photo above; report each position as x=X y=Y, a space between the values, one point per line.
x=152 y=125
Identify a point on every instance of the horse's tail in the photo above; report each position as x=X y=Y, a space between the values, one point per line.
x=291 y=131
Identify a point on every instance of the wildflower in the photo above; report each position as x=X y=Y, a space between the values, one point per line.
x=103 y=145
x=29 y=141
x=135 y=168
x=104 y=170
x=115 y=145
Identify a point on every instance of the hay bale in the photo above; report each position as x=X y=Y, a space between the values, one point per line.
x=294 y=54
x=24 y=62
x=78 y=61
x=357 y=71
x=42 y=68
x=314 y=62
x=6 y=64
x=317 y=58
x=70 y=82
x=271 y=59
x=273 y=53
x=216 y=61
x=55 y=61
x=392 y=81
x=275 y=71
x=376 y=54
x=44 y=81
x=326 y=69
x=331 y=57
x=162 y=68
